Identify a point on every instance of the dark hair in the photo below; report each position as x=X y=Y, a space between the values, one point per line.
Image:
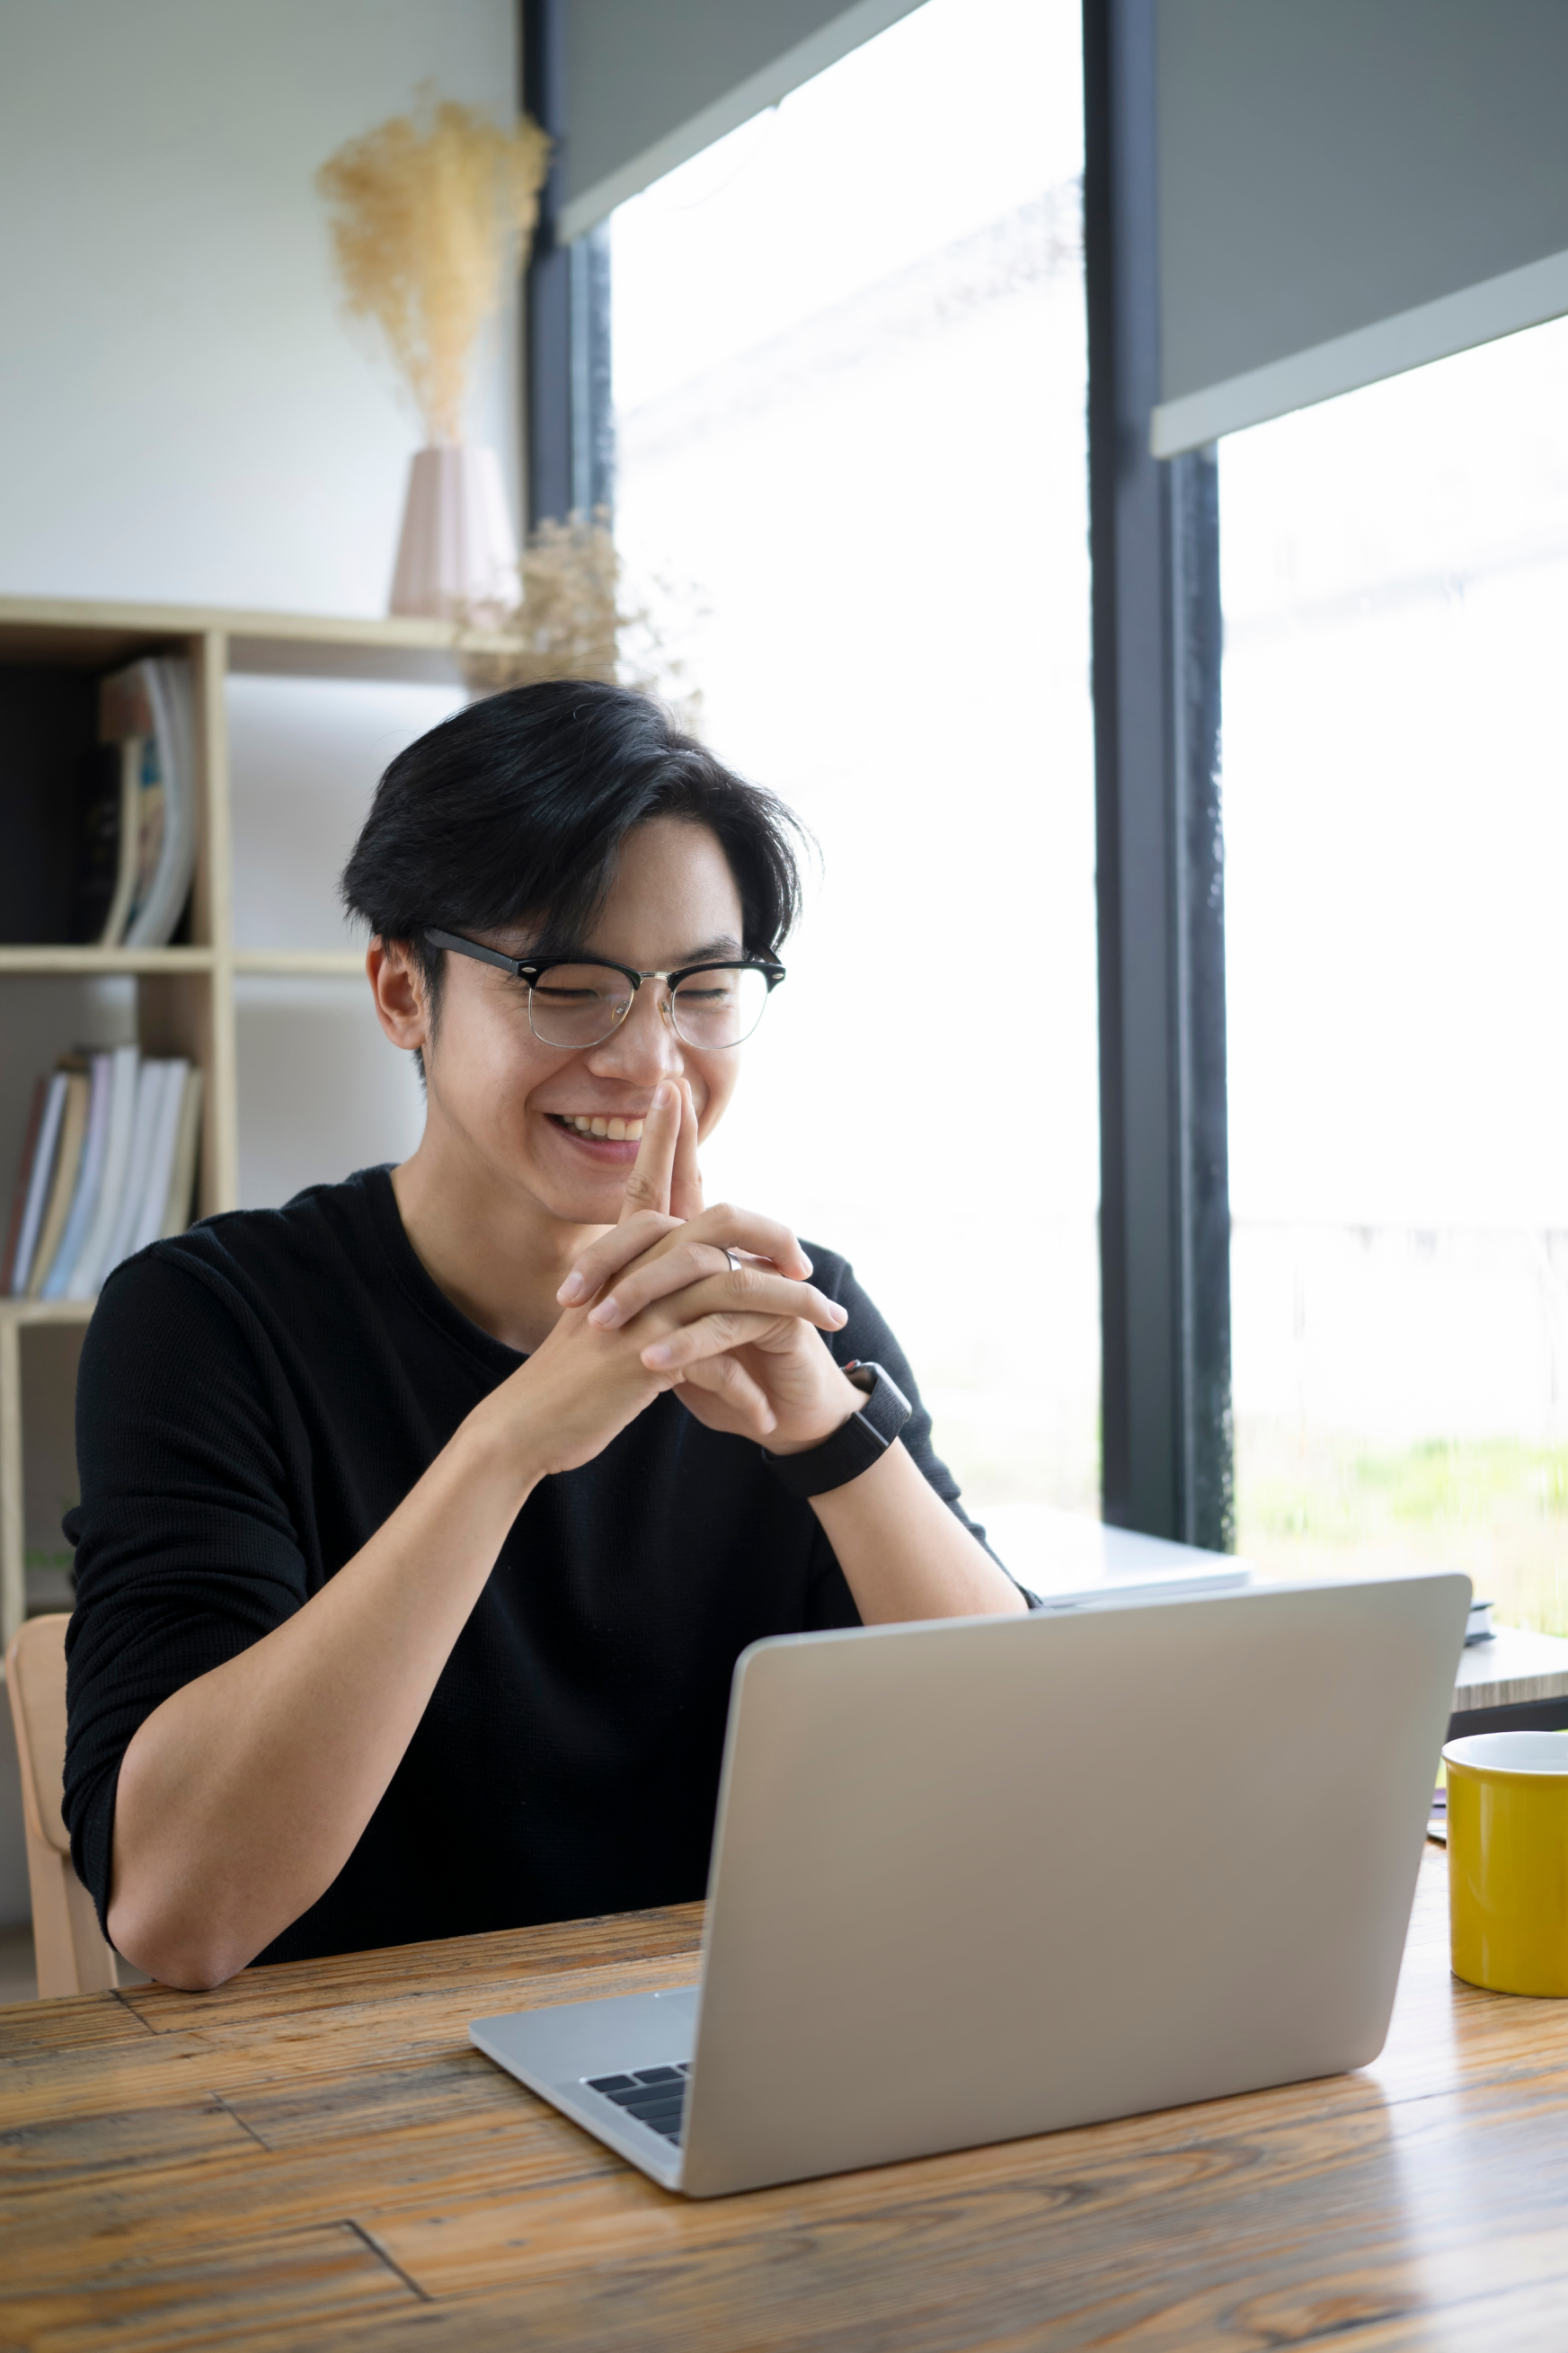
x=515 y=811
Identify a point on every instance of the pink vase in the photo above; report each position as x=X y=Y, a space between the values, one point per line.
x=456 y=558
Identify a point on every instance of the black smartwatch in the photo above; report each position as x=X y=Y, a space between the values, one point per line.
x=863 y=1439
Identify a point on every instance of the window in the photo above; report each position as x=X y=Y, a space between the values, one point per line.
x=850 y=366
x=1395 y=576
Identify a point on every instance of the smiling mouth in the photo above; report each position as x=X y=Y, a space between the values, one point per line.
x=594 y=1126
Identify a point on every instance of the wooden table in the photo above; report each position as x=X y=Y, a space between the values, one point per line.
x=314 y=2157
x=1517 y=1681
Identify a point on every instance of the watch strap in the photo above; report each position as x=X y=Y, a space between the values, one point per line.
x=856 y=1445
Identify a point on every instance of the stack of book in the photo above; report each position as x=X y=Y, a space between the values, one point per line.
x=138 y=809
x=109 y=1166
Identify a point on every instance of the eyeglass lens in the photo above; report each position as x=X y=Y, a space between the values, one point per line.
x=580 y=1003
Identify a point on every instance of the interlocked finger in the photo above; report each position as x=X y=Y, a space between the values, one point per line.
x=711 y=1336
x=752 y=1296
x=615 y=1252
x=724 y=1376
x=674 y=1268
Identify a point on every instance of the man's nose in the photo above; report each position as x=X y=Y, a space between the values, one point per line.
x=645 y=1048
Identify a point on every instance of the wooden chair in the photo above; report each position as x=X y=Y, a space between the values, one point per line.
x=73 y=1955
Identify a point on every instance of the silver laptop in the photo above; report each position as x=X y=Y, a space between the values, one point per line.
x=989 y=1877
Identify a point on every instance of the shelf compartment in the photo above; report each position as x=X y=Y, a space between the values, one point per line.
x=18 y=1315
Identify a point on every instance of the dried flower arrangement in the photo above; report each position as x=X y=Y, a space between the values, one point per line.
x=578 y=616
x=427 y=211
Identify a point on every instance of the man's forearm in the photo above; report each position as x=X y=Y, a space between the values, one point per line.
x=904 y=1555
x=241 y=1798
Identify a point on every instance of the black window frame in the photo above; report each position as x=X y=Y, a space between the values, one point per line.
x=1168 y=1450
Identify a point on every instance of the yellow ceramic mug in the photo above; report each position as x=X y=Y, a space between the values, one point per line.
x=1508 y=1860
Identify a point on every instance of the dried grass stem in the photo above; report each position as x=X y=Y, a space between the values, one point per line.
x=427 y=211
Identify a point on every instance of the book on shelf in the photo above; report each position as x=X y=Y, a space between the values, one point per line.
x=88 y=1176
x=137 y=809
x=109 y=796
x=26 y=1204
x=180 y=1193
x=60 y=1183
x=81 y=1282
x=109 y=1164
x=131 y=1195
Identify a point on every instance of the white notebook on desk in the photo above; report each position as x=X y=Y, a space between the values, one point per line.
x=1073 y=1562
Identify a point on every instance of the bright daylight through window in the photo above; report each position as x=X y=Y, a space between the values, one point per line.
x=1395 y=576
x=849 y=370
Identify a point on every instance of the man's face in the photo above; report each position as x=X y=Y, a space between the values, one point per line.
x=511 y=1105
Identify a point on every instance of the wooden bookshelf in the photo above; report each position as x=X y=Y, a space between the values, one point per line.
x=185 y=993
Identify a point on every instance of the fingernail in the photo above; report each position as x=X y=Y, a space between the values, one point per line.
x=840 y=1315
x=663 y=1095
x=573 y=1288
x=805 y=1262
x=660 y=1354
x=607 y=1311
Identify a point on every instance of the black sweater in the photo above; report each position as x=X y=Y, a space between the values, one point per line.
x=256 y=1398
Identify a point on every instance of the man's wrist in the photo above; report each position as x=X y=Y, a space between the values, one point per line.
x=847 y=1401
x=498 y=1442
x=858 y=1442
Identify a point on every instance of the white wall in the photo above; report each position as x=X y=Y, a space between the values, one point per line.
x=186 y=418
x=185 y=415
x=321 y=1092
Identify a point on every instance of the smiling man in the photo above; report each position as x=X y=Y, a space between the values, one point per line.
x=423 y=1519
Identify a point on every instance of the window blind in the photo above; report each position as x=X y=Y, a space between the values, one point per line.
x=1349 y=188
x=651 y=83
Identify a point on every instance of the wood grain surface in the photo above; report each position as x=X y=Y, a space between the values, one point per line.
x=314 y=2157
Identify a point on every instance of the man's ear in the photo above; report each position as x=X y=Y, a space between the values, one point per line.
x=397 y=985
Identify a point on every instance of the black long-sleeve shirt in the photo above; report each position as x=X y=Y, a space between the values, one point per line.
x=256 y=1398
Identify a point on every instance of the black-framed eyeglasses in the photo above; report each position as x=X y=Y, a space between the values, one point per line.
x=583 y=1003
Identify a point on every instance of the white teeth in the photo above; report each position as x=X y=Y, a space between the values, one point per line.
x=619 y=1130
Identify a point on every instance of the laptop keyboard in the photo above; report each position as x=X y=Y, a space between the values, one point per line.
x=655 y=2095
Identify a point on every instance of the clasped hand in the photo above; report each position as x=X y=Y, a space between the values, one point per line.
x=658 y=1303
